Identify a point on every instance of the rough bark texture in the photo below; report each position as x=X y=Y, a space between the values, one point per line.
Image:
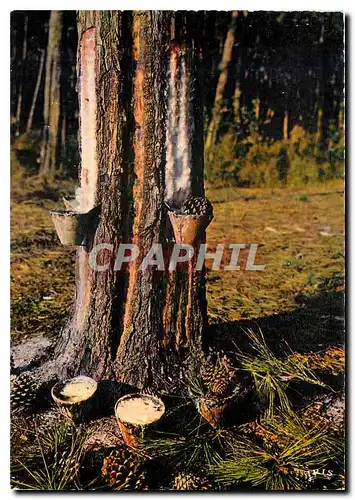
x=51 y=129
x=222 y=81
x=131 y=325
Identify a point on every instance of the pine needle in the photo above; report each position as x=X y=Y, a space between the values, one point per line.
x=58 y=452
x=287 y=466
x=196 y=449
x=272 y=375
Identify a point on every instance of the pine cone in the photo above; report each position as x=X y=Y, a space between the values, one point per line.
x=12 y=364
x=23 y=392
x=220 y=386
x=208 y=371
x=218 y=376
x=123 y=471
x=197 y=206
x=191 y=482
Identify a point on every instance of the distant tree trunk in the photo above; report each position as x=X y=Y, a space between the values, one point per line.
x=218 y=101
x=319 y=133
x=321 y=86
x=21 y=77
x=63 y=142
x=141 y=134
x=285 y=126
x=236 y=104
x=51 y=131
x=68 y=109
x=241 y=80
x=341 y=122
x=35 y=93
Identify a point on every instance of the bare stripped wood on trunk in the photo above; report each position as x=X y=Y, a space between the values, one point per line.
x=126 y=325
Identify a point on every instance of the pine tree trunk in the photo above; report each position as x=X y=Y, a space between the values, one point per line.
x=35 y=93
x=341 y=121
x=222 y=81
x=141 y=135
x=319 y=133
x=241 y=84
x=51 y=130
x=285 y=126
x=321 y=86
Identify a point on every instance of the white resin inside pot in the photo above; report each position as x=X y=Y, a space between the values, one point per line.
x=75 y=390
x=139 y=410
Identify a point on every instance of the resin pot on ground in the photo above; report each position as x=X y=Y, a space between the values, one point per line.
x=136 y=415
x=74 y=397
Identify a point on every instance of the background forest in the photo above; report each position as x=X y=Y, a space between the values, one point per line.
x=274 y=135
x=273 y=107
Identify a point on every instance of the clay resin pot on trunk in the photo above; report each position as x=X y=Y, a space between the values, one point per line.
x=74 y=397
x=71 y=226
x=137 y=414
x=188 y=229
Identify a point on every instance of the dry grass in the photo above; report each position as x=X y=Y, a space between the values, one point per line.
x=331 y=361
x=42 y=271
x=287 y=225
x=301 y=243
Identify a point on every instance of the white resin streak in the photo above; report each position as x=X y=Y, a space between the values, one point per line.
x=86 y=194
x=179 y=129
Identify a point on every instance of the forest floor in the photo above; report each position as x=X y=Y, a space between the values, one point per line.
x=298 y=297
x=300 y=237
x=299 y=233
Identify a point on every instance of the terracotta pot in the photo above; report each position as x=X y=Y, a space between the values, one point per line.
x=76 y=407
x=134 y=426
x=188 y=229
x=71 y=226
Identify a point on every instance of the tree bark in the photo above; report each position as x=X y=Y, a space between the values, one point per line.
x=51 y=131
x=341 y=121
x=285 y=126
x=35 y=93
x=218 y=102
x=321 y=87
x=141 y=141
x=319 y=133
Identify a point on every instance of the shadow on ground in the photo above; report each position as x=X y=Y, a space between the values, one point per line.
x=315 y=326
x=317 y=323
